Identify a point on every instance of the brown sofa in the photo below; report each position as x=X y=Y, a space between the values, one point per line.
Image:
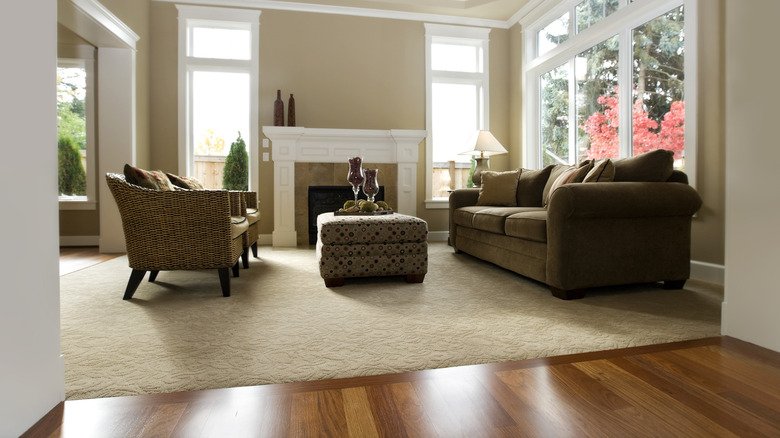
x=601 y=223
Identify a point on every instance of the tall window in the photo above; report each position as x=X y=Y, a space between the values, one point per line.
x=75 y=128
x=218 y=65
x=616 y=90
x=457 y=101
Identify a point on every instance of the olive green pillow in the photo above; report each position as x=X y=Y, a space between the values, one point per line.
x=499 y=188
x=653 y=166
x=530 y=186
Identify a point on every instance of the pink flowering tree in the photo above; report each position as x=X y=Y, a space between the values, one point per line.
x=602 y=128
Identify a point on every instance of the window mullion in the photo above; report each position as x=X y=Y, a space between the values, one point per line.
x=625 y=93
x=572 y=112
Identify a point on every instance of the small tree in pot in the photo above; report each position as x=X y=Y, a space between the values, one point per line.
x=236 y=173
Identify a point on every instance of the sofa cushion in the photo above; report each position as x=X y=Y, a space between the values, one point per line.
x=185 y=182
x=571 y=175
x=492 y=219
x=528 y=225
x=149 y=179
x=530 y=186
x=498 y=188
x=464 y=216
x=653 y=166
x=602 y=171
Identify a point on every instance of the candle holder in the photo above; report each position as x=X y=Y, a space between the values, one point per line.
x=355 y=175
x=371 y=185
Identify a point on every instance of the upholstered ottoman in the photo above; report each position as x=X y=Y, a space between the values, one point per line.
x=367 y=246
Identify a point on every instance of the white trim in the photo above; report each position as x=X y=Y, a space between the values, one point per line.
x=96 y=24
x=438 y=236
x=79 y=240
x=352 y=11
x=77 y=204
x=265 y=239
x=708 y=272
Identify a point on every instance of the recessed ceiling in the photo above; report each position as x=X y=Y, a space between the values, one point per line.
x=484 y=9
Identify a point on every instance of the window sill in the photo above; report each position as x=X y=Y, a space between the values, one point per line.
x=77 y=205
x=437 y=204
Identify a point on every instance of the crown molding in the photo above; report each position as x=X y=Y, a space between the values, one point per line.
x=343 y=10
x=91 y=19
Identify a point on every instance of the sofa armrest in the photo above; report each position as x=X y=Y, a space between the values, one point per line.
x=460 y=198
x=624 y=200
x=602 y=234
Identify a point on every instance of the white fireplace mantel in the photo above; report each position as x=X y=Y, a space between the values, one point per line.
x=314 y=145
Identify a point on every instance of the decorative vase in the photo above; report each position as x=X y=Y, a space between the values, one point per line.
x=278 y=109
x=291 y=111
x=355 y=175
x=371 y=185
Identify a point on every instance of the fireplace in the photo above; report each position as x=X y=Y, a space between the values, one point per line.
x=292 y=145
x=327 y=199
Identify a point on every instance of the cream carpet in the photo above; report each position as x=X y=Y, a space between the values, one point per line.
x=282 y=324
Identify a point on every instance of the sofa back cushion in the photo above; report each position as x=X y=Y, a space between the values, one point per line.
x=530 y=186
x=653 y=166
x=570 y=175
x=603 y=171
x=499 y=188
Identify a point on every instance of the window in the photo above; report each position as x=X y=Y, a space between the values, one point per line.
x=218 y=65
x=75 y=128
x=457 y=102
x=627 y=67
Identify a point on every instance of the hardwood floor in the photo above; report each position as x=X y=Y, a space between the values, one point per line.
x=74 y=258
x=716 y=387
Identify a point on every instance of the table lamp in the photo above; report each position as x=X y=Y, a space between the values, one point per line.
x=484 y=143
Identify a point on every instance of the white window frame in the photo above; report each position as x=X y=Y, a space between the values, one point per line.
x=621 y=23
x=473 y=36
x=85 y=55
x=197 y=16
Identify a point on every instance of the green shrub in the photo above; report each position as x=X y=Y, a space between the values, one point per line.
x=72 y=176
x=236 y=173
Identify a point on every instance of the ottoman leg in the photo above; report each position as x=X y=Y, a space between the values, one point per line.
x=415 y=278
x=334 y=282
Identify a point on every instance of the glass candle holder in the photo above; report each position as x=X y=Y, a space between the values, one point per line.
x=371 y=185
x=355 y=175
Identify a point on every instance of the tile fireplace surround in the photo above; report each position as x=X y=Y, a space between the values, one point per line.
x=379 y=148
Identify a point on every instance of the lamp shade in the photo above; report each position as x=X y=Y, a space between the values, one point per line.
x=483 y=143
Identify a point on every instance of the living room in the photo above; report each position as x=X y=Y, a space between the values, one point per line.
x=314 y=56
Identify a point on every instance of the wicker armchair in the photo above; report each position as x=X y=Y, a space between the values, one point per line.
x=178 y=230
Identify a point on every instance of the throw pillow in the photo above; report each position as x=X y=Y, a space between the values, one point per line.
x=530 y=186
x=653 y=166
x=185 y=182
x=569 y=176
x=499 y=188
x=149 y=179
x=602 y=171
x=555 y=172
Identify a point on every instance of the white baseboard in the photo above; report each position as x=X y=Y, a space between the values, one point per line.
x=79 y=240
x=438 y=236
x=708 y=272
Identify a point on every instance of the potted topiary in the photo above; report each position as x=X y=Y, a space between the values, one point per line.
x=235 y=175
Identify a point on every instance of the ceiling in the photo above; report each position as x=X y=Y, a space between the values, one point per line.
x=501 y=10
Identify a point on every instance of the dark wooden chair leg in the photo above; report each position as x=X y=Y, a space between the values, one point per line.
x=415 y=278
x=245 y=258
x=573 y=294
x=224 y=281
x=135 y=279
x=674 y=284
x=235 y=270
x=254 y=249
x=153 y=276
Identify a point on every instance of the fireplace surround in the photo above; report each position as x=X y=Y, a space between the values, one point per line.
x=291 y=145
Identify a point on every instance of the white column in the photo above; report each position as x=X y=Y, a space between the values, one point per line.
x=116 y=135
x=407 y=155
x=283 y=153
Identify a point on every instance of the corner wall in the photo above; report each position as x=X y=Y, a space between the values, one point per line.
x=32 y=375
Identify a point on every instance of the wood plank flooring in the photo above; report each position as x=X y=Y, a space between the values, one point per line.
x=715 y=387
x=74 y=258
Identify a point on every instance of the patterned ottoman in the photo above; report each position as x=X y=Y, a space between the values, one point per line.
x=368 y=246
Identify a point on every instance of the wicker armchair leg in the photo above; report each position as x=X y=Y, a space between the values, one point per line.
x=135 y=279
x=153 y=276
x=224 y=281
x=235 y=270
x=245 y=258
x=254 y=249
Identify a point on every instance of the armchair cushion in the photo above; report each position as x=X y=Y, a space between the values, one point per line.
x=185 y=182
x=148 y=179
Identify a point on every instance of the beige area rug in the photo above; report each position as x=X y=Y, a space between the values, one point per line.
x=282 y=324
